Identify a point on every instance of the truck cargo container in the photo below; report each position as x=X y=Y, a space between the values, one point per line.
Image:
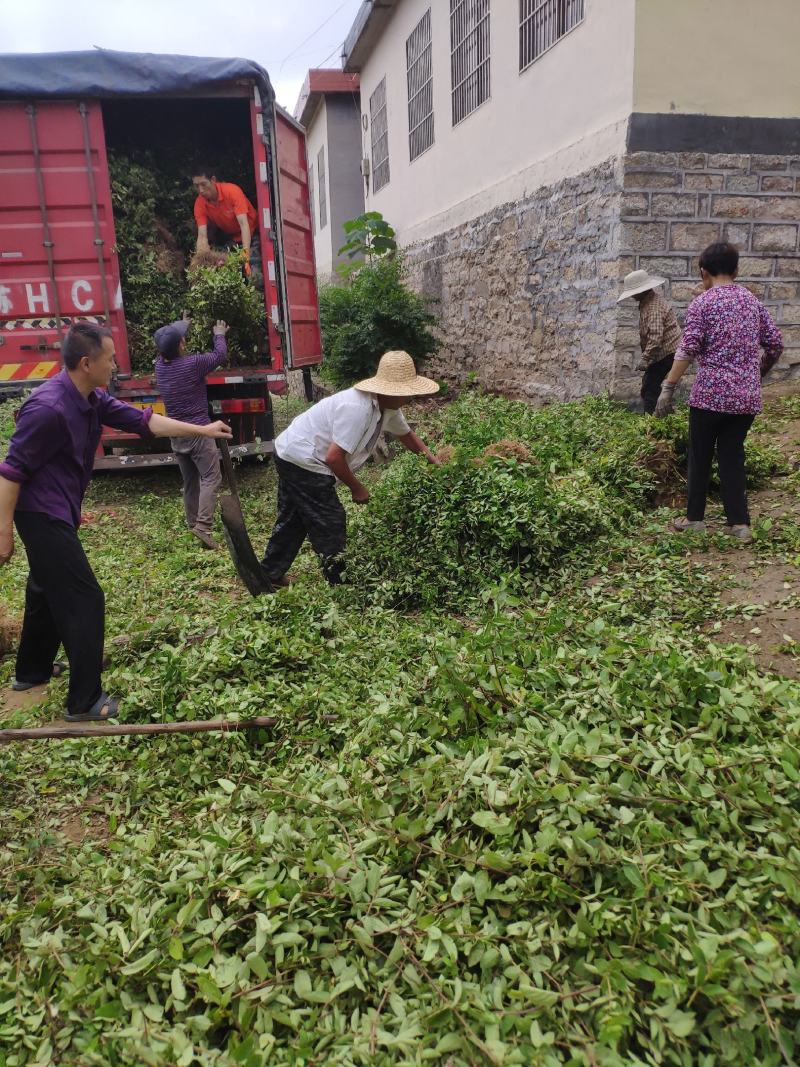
x=58 y=257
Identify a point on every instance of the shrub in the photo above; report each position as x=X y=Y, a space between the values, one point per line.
x=150 y=260
x=440 y=535
x=522 y=491
x=152 y=201
x=223 y=293
x=373 y=313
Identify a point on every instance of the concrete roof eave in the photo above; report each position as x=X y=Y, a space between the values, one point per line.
x=366 y=30
x=320 y=83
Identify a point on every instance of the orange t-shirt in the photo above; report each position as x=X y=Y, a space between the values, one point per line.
x=230 y=202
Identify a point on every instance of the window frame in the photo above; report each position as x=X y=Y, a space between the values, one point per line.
x=470 y=39
x=312 y=205
x=374 y=113
x=419 y=86
x=322 y=178
x=526 y=18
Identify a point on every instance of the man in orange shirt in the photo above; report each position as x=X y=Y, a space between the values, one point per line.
x=227 y=209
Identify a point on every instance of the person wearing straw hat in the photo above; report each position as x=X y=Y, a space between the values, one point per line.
x=659 y=332
x=328 y=443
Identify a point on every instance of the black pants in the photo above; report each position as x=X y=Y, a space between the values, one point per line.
x=710 y=430
x=64 y=605
x=307 y=507
x=653 y=380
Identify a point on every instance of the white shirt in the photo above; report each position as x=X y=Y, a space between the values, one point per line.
x=350 y=419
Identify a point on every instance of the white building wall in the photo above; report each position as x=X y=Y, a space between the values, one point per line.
x=564 y=114
x=316 y=138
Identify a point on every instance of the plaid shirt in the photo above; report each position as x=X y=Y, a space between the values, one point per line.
x=659 y=331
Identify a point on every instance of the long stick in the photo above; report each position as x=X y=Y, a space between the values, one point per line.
x=113 y=729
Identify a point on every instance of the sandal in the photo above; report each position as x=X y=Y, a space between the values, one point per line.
x=59 y=669
x=105 y=707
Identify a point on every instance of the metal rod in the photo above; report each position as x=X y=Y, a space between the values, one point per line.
x=98 y=239
x=112 y=729
x=48 y=241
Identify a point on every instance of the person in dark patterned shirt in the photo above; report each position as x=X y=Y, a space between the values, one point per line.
x=659 y=332
x=725 y=330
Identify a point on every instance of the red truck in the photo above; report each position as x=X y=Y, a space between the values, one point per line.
x=58 y=256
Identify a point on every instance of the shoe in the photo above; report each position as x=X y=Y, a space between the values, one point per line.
x=277 y=583
x=205 y=538
x=58 y=670
x=741 y=533
x=688 y=526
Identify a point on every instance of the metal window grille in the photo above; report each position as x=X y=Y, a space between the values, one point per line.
x=419 y=73
x=380 y=137
x=469 y=56
x=542 y=23
x=323 y=192
x=311 y=204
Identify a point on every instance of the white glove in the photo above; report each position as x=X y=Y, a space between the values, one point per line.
x=666 y=400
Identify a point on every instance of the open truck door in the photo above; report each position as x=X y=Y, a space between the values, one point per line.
x=58 y=263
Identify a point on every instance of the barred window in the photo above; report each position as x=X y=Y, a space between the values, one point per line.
x=380 y=137
x=469 y=55
x=544 y=22
x=311 y=204
x=419 y=72
x=323 y=192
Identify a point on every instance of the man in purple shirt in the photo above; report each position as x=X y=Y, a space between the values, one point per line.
x=42 y=484
x=181 y=379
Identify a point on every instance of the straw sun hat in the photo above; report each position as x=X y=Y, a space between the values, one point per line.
x=397 y=376
x=639 y=281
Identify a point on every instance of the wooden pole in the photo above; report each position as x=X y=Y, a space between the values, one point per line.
x=113 y=729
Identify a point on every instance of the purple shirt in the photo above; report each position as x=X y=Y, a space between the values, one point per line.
x=725 y=328
x=182 y=383
x=52 y=449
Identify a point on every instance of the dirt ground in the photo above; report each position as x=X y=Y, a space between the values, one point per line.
x=761 y=594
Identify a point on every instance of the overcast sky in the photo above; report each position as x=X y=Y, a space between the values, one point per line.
x=285 y=36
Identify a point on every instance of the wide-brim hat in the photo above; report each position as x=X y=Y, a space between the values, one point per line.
x=639 y=281
x=397 y=376
x=168 y=336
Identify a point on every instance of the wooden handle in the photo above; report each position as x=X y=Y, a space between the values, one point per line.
x=114 y=729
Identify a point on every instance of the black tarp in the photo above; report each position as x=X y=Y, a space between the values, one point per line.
x=105 y=73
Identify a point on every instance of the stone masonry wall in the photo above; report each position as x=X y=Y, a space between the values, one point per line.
x=526 y=293
x=674 y=204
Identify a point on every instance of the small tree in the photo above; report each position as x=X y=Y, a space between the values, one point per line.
x=370 y=237
x=372 y=313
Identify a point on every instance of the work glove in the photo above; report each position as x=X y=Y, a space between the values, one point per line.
x=666 y=400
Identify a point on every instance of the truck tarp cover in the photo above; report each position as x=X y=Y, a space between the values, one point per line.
x=103 y=73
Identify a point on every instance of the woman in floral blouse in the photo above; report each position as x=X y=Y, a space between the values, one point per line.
x=725 y=329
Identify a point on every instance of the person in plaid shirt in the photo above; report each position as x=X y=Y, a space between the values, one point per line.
x=659 y=332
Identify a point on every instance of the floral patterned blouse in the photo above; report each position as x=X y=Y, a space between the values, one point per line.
x=724 y=330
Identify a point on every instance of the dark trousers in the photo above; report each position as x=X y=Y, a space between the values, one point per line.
x=308 y=507
x=710 y=431
x=64 y=605
x=652 y=381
